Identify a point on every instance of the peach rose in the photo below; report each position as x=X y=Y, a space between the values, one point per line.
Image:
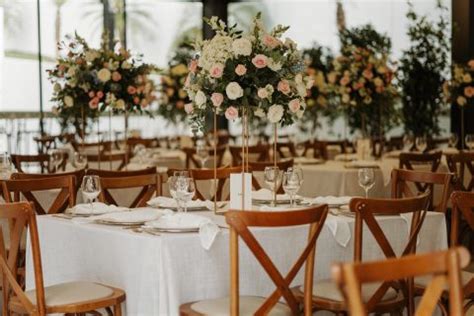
x=368 y=74
x=136 y=100
x=217 y=99
x=100 y=94
x=284 y=87
x=262 y=93
x=217 y=70
x=294 y=105
x=240 y=70
x=131 y=90
x=180 y=104
x=260 y=61
x=116 y=76
x=471 y=64
x=344 y=80
x=469 y=91
x=94 y=103
x=231 y=113
x=193 y=65
x=91 y=94
x=270 y=41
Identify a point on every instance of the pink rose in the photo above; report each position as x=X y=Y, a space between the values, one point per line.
x=368 y=74
x=116 y=76
x=94 y=103
x=131 y=90
x=262 y=93
x=469 y=92
x=188 y=108
x=193 y=65
x=240 y=70
x=270 y=41
x=231 y=113
x=260 y=61
x=284 y=86
x=217 y=70
x=187 y=82
x=91 y=94
x=294 y=105
x=100 y=94
x=136 y=100
x=217 y=99
x=344 y=80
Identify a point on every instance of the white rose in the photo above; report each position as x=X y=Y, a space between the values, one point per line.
x=57 y=87
x=200 y=98
x=126 y=65
x=262 y=93
x=259 y=113
x=273 y=65
x=68 y=101
x=90 y=56
x=242 y=46
x=104 y=75
x=275 y=113
x=120 y=104
x=234 y=91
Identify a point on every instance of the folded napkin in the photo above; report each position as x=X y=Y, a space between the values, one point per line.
x=166 y=202
x=97 y=208
x=339 y=228
x=208 y=230
x=332 y=200
x=267 y=195
x=138 y=215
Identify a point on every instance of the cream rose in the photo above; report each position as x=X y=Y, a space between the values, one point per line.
x=217 y=99
x=68 y=101
x=240 y=70
x=262 y=93
x=126 y=65
x=104 y=75
x=200 y=98
x=275 y=113
x=242 y=46
x=294 y=105
x=260 y=61
x=120 y=104
x=345 y=98
x=231 y=113
x=461 y=101
x=234 y=91
x=188 y=108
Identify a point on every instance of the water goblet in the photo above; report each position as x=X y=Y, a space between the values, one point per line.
x=421 y=144
x=272 y=177
x=291 y=184
x=173 y=186
x=407 y=143
x=186 y=191
x=366 y=179
x=90 y=189
x=56 y=158
x=80 y=160
x=453 y=140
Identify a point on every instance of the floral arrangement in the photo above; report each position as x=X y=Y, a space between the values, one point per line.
x=173 y=97
x=362 y=80
x=258 y=73
x=460 y=89
x=89 y=81
x=318 y=61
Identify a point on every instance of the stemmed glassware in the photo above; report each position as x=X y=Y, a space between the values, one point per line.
x=291 y=184
x=56 y=158
x=173 y=187
x=273 y=181
x=186 y=190
x=173 y=143
x=366 y=179
x=5 y=166
x=453 y=140
x=407 y=143
x=80 y=160
x=421 y=144
x=470 y=141
x=90 y=189
x=202 y=152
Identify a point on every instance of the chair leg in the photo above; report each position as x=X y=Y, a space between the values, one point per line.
x=109 y=311
x=118 y=309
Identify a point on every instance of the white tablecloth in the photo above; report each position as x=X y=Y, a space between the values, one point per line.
x=159 y=273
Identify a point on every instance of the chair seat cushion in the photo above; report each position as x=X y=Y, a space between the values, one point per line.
x=327 y=289
x=248 y=306
x=465 y=278
x=71 y=292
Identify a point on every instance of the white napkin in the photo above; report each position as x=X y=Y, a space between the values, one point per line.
x=97 y=208
x=208 y=230
x=332 y=200
x=339 y=228
x=166 y=202
x=143 y=214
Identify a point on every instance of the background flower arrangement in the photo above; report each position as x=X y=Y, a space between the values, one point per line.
x=259 y=72
x=460 y=89
x=94 y=80
x=172 y=96
x=362 y=81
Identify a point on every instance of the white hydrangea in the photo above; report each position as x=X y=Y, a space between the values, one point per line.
x=200 y=98
x=273 y=65
x=275 y=113
x=242 y=46
x=216 y=51
x=104 y=75
x=68 y=101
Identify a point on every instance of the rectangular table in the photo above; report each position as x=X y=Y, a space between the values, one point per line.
x=159 y=273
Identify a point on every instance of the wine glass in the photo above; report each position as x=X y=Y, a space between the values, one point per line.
x=291 y=184
x=186 y=191
x=80 y=160
x=5 y=166
x=300 y=148
x=173 y=185
x=421 y=144
x=470 y=141
x=407 y=143
x=366 y=179
x=203 y=153
x=273 y=180
x=90 y=189
x=453 y=140
x=181 y=173
x=56 y=158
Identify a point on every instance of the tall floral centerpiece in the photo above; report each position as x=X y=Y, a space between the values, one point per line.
x=257 y=74
x=362 y=80
x=88 y=81
x=172 y=96
x=460 y=90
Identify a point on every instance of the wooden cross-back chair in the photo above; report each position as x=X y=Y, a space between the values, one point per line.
x=77 y=174
x=134 y=141
x=222 y=175
x=261 y=153
x=342 y=144
x=81 y=296
x=45 y=143
x=104 y=146
x=150 y=184
x=443 y=267
x=286 y=150
x=120 y=173
x=404 y=181
x=14 y=190
x=107 y=158
x=409 y=161
x=240 y=222
x=319 y=149
x=386 y=297
x=462 y=166
x=42 y=160
x=191 y=156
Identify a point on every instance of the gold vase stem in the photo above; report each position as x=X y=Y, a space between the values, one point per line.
x=275 y=138
x=243 y=157
x=83 y=131
x=110 y=138
x=126 y=139
x=99 y=142
x=215 y=160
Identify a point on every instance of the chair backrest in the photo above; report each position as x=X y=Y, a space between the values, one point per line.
x=42 y=160
x=462 y=165
x=240 y=221
x=20 y=217
x=404 y=181
x=134 y=141
x=365 y=211
x=409 y=160
x=45 y=143
x=191 y=156
x=77 y=174
x=150 y=184
x=443 y=266
x=13 y=190
x=283 y=164
x=286 y=149
x=320 y=149
x=105 y=159
x=120 y=174
x=102 y=146
x=342 y=144
x=261 y=152
x=463 y=207
x=222 y=175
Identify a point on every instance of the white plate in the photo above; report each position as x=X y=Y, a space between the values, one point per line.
x=171 y=230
